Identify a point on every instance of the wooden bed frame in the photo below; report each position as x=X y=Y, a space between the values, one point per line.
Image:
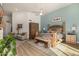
x=51 y=42
x=45 y=41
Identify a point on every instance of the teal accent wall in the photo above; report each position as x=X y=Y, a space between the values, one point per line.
x=70 y=14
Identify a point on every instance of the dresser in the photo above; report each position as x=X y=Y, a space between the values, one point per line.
x=71 y=39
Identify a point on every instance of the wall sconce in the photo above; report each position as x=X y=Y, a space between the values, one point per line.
x=44 y=29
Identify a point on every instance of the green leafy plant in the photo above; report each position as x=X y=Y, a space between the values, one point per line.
x=8 y=46
x=2 y=45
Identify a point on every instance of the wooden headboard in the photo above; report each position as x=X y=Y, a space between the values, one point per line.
x=57 y=28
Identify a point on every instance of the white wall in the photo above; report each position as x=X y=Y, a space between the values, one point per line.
x=7 y=28
x=23 y=18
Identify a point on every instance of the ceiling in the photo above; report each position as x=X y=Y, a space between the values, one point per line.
x=33 y=7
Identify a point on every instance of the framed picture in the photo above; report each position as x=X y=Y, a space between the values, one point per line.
x=57 y=19
x=19 y=25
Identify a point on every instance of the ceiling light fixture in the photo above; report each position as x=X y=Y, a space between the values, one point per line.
x=41 y=12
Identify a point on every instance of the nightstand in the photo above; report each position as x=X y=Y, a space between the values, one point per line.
x=71 y=39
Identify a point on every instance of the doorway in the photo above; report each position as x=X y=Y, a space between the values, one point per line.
x=33 y=28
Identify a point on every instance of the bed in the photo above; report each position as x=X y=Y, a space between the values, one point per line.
x=50 y=39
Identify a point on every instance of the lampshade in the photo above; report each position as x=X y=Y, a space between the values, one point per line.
x=73 y=28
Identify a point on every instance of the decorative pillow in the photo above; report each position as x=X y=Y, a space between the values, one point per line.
x=59 y=35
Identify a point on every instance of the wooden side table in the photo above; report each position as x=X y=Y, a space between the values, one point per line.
x=71 y=39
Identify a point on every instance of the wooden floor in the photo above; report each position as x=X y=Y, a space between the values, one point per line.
x=26 y=49
x=74 y=45
x=29 y=48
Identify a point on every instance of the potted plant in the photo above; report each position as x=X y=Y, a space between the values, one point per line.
x=8 y=46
